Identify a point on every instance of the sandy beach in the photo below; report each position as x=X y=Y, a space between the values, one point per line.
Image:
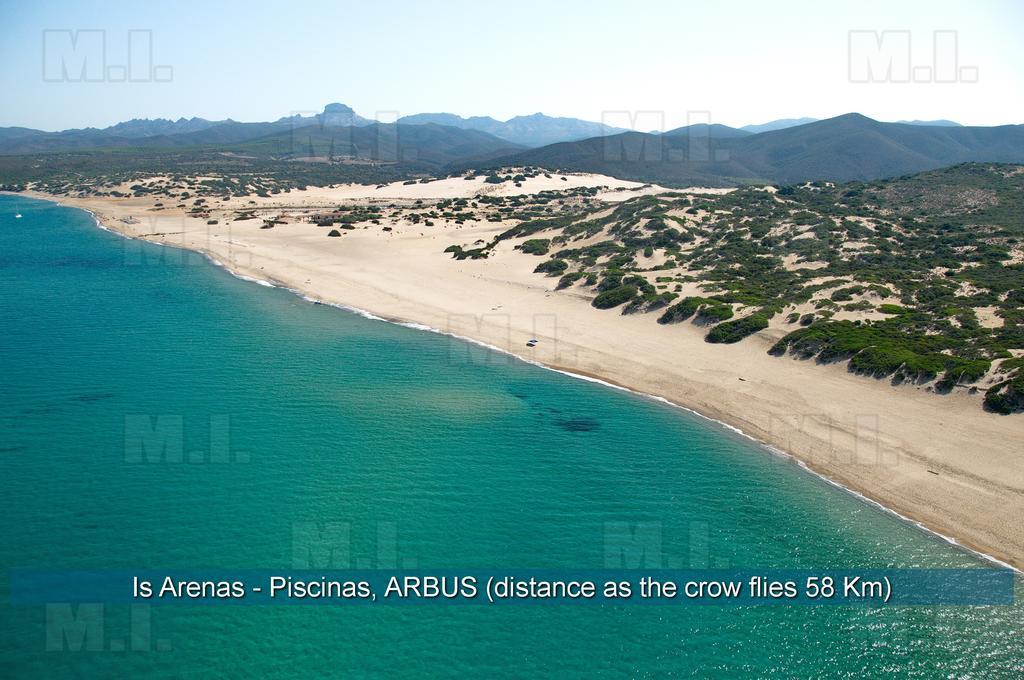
x=937 y=459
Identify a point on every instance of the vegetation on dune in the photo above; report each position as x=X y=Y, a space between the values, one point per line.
x=552 y=267
x=734 y=331
x=681 y=311
x=615 y=297
x=1007 y=395
x=917 y=278
x=536 y=246
x=459 y=253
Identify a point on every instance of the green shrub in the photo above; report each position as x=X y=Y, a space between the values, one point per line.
x=892 y=309
x=963 y=371
x=460 y=254
x=612 y=279
x=551 y=267
x=681 y=311
x=1006 y=397
x=734 y=331
x=715 y=312
x=884 y=360
x=536 y=246
x=614 y=297
x=878 y=350
x=568 y=280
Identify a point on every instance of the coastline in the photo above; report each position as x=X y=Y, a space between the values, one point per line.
x=797 y=418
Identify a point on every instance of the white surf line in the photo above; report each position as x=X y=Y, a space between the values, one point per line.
x=579 y=376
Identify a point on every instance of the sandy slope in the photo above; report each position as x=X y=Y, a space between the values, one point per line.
x=937 y=459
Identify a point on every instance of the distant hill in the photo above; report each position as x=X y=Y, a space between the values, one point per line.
x=848 y=147
x=780 y=124
x=426 y=146
x=712 y=130
x=939 y=123
x=25 y=139
x=150 y=127
x=340 y=114
x=535 y=130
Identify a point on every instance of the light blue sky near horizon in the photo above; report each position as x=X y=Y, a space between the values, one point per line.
x=664 y=62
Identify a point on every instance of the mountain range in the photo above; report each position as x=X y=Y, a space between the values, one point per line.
x=531 y=131
x=779 y=124
x=535 y=130
x=784 y=123
x=847 y=147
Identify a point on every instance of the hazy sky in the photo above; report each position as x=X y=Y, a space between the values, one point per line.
x=743 y=62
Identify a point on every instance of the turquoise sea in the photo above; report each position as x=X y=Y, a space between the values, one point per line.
x=406 y=448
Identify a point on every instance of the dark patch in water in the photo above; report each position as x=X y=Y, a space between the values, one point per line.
x=578 y=424
x=518 y=395
x=12 y=449
x=552 y=409
x=93 y=397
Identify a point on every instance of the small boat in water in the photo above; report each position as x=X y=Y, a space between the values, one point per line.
x=17 y=216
